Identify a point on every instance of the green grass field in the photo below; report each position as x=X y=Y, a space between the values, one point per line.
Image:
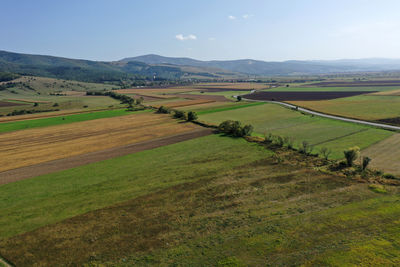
x=28 y=204
x=45 y=122
x=366 y=107
x=321 y=132
x=226 y=204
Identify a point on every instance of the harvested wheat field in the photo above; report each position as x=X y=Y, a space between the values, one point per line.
x=156 y=92
x=33 y=146
x=385 y=155
x=185 y=103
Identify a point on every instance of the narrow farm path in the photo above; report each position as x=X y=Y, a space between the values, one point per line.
x=22 y=173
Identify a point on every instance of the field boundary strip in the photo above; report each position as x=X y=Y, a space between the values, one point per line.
x=340 y=137
x=229 y=108
x=43 y=168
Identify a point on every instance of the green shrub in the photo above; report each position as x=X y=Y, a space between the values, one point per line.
x=306 y=148
x=325 y=152
x=365 y=163
x=235 y=128
x=377 y=188
x=351 y=155
x=163 y=110
x=178 y=114
x=192 y=116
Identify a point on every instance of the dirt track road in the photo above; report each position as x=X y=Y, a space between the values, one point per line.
x=75 y=161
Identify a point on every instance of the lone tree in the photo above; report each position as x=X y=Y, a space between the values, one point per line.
x=192 y=116
x=351 y=155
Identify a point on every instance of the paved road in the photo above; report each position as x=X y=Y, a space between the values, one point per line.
x=378 y=125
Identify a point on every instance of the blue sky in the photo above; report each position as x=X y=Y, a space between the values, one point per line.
x=219 y=29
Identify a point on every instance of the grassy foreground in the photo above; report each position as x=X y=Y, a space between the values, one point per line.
x=32 y=203
x=256 y=213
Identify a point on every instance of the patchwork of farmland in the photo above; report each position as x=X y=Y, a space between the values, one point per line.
x=198 y=206
x=120 y=188
x=33 y=146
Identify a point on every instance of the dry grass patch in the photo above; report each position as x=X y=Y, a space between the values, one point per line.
x=385 y=155
x=388 y=93
x=29 y=147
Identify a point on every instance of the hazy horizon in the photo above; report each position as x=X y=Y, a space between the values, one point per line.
x=215 y=30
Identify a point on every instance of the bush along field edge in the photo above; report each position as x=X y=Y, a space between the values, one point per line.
x=353 y=165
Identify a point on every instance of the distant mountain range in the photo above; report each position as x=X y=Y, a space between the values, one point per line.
x=291 y=67
x=155 y=66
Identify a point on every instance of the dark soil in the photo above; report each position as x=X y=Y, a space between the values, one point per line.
x=359 y=83
x=392 y=121
x=10 y=104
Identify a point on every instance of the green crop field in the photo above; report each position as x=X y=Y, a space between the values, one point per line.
x=58 y=120
x=367 y=107
x=321 y=132
x=226 y=204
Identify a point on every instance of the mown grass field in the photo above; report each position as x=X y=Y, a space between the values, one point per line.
x=33 y=146
x=320 y=132
x=366 y=107
x=226 y=204
x=386 y=154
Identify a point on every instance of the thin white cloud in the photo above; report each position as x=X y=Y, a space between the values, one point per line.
x=181 y=37
x=231 y=17
x=211 y=38
x=247 y=16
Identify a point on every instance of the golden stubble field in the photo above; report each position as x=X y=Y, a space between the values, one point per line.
x=33 y=146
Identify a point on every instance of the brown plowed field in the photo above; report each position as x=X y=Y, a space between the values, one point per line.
x=302 y=96
x=9 y=104
x=33 y=146
x=75 y=161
